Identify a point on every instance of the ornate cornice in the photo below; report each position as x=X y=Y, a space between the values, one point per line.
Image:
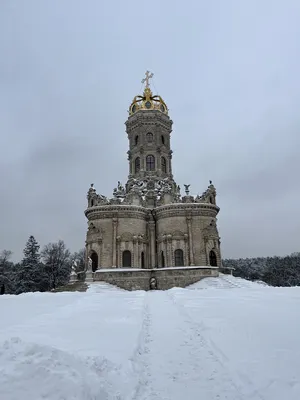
x=184 y=209
x=113 y=211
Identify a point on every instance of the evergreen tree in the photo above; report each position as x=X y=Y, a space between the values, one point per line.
x=6 y=272
x=30 y=275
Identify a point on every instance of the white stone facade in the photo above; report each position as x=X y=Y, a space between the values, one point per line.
x=148 y=223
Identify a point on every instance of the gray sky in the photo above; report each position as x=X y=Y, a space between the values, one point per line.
x=228 y=71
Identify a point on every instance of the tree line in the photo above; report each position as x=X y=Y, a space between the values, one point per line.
x=50 y=268
x=41 y=271
x=275 y=271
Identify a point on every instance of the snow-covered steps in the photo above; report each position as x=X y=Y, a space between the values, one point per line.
x=225 y=282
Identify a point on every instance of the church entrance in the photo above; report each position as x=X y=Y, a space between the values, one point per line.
x=212 y=259
x=126 y=259
x=94 y=258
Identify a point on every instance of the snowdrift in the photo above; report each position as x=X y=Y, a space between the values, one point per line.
x=31 y=371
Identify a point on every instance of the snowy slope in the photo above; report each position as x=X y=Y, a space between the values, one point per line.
x=179 y=344
x=225 y=282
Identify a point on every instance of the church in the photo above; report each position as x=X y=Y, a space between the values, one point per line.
x=148 y=223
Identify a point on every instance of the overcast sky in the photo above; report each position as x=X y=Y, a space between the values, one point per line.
x=229 y=73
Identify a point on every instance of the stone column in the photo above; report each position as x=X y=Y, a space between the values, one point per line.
x=114 y=243
x=186 y=249
x=119 y=261
x=169 y=253
x=173 y=252
x=189 y=224
x=138 y=249
x=170 y=162
x=100 y=256
x=134 y=253
x=152 y=243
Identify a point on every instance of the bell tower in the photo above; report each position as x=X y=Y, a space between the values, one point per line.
x=149 y=130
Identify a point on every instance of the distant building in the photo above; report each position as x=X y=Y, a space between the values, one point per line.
x=147 y=223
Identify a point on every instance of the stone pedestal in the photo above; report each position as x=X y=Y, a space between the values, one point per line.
x=73 y=277
x=89 y=276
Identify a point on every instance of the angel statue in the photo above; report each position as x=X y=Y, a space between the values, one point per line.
x=186 y=188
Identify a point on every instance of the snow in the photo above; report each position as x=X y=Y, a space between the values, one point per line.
x=221 y=338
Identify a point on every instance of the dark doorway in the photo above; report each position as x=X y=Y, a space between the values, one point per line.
x=212 y=259
x=94 y=258
x=179 y=258
x=142 y=260
x=162 y=259
x=126 y=259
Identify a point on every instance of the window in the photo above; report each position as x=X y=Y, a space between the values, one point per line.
x=212 y=258
x=126 y=259
x=149 y=137
x=137 y=165
x=162 y=139
x=136 y=140
x=179 y=258
x=92 y=202
x=163 y=165
x=150 y=163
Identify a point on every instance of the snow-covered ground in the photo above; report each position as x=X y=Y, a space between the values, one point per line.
x=233 y=340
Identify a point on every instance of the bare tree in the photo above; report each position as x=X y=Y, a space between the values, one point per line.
x=57 y=261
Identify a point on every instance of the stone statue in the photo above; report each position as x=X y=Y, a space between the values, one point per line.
x=153 y=283
x=186 y=188
x=74 y=266
x=90 y=264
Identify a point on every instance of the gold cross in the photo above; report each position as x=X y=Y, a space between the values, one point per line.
x=148 y=77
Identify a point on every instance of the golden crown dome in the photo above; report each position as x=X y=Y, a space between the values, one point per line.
x=147 y=101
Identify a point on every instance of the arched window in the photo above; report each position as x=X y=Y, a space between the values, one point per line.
x=162 y=139
x=150 y=163
x=126 y=259
x=179 y=258
x=92 y=202
x=163 y=165
x=137 y=165
x=212 y=259
x=136 y=140
x=149 y=137
x=94 y=258
x=162 y=257
x=142 y=260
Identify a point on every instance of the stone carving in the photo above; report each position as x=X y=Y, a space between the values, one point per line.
x=119 y=192
x=154 y=188
x=153 y=283
x=96 y=199
x=209 y=196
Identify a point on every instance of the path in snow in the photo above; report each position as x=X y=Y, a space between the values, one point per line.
x=173 y=357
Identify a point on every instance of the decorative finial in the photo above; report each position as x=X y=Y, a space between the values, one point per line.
x=149 y=75
x=92 y=185
x=186 y=188
x=210 y=182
